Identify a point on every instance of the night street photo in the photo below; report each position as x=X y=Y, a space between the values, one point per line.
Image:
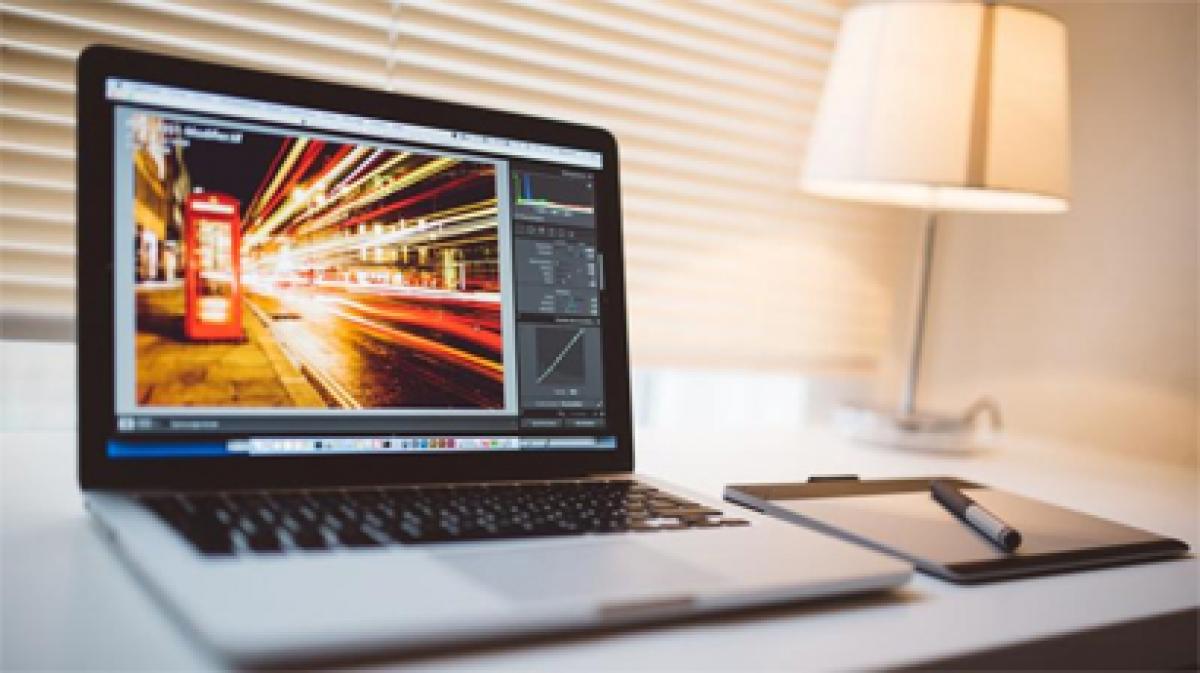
x=293 y=271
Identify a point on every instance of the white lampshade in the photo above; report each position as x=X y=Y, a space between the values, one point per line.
x=944 y=106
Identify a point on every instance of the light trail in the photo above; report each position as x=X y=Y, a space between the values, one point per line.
x=433 y=319
x=480 y=365
x=357 y=178
x=331 y=196
x=362 y=166
x=394 y=185
x=351 y=195
x=339 y=162
x=417 y=293
x=292 y=157
x=412 y=200
x=313 y=254
x=254 y=200
x=285 y=190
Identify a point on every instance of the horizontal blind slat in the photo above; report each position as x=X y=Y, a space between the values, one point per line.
x=24 y=197
x=18 y=230
x=67 y=124
x=25 y=99
x=49 y=153
x=45 y=218
x=21 y=296
x=39 y=263
x=34 y=132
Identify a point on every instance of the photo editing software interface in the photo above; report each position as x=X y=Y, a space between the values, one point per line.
x=299 y=281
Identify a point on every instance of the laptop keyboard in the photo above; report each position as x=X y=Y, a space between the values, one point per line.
x=273 y=522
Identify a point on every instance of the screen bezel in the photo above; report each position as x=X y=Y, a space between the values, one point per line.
x=95 y=299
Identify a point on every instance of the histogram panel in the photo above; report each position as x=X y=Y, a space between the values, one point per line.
x=566 y=197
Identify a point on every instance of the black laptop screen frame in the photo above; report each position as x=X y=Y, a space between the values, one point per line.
x=95 y=323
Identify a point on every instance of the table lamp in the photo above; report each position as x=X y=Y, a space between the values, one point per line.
x=941 y=106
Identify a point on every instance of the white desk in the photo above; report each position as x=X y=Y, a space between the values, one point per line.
x=69 y=603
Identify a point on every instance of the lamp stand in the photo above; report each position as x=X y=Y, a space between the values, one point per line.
x=907 y=427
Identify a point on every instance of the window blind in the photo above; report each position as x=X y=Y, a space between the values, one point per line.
x=728 y=263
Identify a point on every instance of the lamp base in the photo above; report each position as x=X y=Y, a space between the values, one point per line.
x=919 y=431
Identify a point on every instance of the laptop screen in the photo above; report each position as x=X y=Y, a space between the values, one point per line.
x=304 y=281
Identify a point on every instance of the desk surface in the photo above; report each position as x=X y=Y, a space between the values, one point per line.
x=68 y=603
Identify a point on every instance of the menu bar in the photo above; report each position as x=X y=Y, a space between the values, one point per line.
x=220 y=104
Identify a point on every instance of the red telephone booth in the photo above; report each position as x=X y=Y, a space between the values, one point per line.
x=212 y=268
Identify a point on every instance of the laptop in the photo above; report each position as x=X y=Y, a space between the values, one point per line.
x=353 y=376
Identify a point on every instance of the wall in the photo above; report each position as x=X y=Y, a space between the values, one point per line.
x=1083 y=325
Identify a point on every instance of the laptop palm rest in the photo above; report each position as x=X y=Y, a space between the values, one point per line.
x=571 y=571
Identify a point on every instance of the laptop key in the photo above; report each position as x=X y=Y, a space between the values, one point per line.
x=264 y=540
x=217 y=545
x=310 y=539
x=353 y=536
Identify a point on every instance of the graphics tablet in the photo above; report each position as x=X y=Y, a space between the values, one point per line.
x=900 y=517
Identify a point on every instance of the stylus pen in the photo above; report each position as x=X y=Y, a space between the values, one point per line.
x=993 y=527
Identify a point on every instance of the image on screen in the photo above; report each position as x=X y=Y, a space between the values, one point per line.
x=275 y=270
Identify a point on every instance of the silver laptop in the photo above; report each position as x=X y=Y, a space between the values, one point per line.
x=354 y=378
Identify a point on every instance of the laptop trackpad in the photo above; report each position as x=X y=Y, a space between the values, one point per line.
x=550 y=572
